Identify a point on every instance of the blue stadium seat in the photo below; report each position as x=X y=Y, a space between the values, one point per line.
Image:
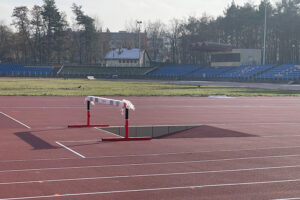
x=25 y=70
x=286 y=71
x=209 y=72
x=245 y=71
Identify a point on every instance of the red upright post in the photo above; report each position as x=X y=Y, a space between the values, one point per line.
x=88 y=113
x=126 y=122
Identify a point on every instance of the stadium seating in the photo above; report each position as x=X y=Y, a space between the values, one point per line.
x=245 y=71
x=24 y=70
x=209 y=72
x=287 y=71
x=174 y=70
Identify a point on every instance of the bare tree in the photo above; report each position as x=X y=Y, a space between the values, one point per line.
x=155 y=34
x=173 y=35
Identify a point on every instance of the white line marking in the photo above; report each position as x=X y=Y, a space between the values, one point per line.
x=152 y=175
x=145 y=164
x=75 y=141
x=156 y=189
x=294 y=198
x=15 y=120
x=160 y=154
x=279 y=136
x=78 y=154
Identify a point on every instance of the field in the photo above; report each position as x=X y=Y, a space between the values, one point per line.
x=81 y=87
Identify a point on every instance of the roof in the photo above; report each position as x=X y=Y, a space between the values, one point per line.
x=124 y=54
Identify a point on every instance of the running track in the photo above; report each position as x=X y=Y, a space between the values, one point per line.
x=245 y=148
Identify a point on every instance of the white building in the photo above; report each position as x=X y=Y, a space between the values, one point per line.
x=127 y=58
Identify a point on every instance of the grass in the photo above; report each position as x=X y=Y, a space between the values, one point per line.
x=81 y=87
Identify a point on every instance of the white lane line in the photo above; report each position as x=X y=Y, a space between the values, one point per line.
x=279 y=136
x=15 y=120
x=75 y=141
x=200 y=161
x=294 y=198
x=152 y=175
x=156 y=189
x=143 y=164
x=78 y=154
x=162 y=154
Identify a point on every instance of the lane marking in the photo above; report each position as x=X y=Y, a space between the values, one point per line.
x=143 y=164
x=191 y=187
x=15 y=120
x=75 y=141
x=160 y=154
x=69 y=149
x=151 y=175
x=279 y=136
x=294 y=198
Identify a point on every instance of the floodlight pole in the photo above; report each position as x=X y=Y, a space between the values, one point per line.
x=139 y=24
x=265 y=35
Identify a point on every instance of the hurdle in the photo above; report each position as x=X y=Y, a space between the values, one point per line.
x=124 y=105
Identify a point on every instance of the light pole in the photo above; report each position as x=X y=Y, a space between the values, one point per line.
x=139 y=24
x=265 y=34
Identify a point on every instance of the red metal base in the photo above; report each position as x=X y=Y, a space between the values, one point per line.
x=125 y=139
x=86 y=126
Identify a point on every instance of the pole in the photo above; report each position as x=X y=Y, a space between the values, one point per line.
x=88 y=113
x=265 y=35
x=139 y=40
x=126 y=123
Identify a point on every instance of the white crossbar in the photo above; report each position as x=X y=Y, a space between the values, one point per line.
x=118 y=103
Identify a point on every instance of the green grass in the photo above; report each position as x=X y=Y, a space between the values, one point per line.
x=70 y=87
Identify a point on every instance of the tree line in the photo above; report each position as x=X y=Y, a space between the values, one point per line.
x=42 y=34
x=240 y=26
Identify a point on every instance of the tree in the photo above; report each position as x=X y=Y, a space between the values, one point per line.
x=155 y=34
x=87 y=35
x=37 y=25
x=6 y=48
x=55 y=25
x=173 y=35
x=21 y=22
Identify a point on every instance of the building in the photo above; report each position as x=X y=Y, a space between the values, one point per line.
x=225 y=55
x=236 y=57
x=123 y=57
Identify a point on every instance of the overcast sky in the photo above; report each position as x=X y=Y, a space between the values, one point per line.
x=115 y=14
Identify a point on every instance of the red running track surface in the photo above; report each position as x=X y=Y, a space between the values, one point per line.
x=244 y=148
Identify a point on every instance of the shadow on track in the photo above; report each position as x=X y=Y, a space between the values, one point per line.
x=205 y=131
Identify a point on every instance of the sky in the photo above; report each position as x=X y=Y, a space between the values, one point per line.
x=119 y=14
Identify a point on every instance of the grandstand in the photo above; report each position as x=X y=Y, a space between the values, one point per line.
x=194 y=72
x=107 y=72
x=24 y=70
x=209 y=72
x=173 y=71
x=245 y=71
x=286 y=71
